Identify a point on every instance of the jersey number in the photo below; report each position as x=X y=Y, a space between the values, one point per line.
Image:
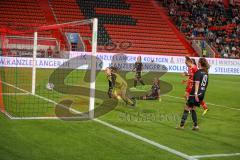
x=204 y=81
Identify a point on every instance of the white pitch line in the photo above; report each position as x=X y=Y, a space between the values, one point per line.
x=45 y=118
x=237 y=109
x=7 y=114
x=216 y=155
x=15 y=87
x=153 y=143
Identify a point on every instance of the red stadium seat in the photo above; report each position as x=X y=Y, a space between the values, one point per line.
x=138 y=22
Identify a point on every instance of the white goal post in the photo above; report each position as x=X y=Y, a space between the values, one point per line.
x=34 y=63
x=93 y=68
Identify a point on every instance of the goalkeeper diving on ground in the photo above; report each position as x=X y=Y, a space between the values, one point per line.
x=117 y=86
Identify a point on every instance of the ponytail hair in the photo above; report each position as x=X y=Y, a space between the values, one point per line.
x=188 y=59
x=204 y=64
x=193 y=61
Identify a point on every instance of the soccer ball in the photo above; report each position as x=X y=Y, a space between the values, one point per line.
x=50 y=86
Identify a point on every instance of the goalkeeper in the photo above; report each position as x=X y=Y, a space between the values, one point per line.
x=154 y=94
x=117 y=86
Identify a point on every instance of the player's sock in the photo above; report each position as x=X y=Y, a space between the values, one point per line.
x=135 y=83
x=204 y=105
x=194 y=118
x=184 y=118
x=129 y=101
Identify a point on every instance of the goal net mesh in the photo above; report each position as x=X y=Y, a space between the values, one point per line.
x=45 y=72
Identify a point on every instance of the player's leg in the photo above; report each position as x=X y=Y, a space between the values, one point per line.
x=194 y=114
x=125 y=97
x=116 y=93
x=135 y=80
x=140 y=78
x=151 y=97
x=110 y=92
x=187 y=109
x=140 y=98
x=184 y=116
x=135 y=83
x=147 y=97
x=194 y=118
x=141 y=81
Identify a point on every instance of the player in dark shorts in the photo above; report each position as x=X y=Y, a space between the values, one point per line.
x=138 y=67
x=200 y=83
x=154 y=94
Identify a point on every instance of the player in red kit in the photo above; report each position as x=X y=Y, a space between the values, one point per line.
x=192 y=69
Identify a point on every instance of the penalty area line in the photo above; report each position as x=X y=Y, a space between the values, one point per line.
x=40 y=97
x=8 y=84
x=14 y=94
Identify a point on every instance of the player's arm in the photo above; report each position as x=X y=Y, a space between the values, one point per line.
x=185 y=74
x=196 y=87
x=184 y=81
x=196 y=90
x=189 y=81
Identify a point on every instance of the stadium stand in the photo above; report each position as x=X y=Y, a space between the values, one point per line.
x=21 y=15
x=138 y=21
x=143 y=23
x=211 y=21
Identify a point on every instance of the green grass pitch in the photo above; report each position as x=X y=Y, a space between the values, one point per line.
x=59 y=139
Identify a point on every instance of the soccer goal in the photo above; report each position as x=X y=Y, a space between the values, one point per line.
x=49 y=72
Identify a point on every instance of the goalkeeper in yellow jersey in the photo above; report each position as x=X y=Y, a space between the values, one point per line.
x=117 y=86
